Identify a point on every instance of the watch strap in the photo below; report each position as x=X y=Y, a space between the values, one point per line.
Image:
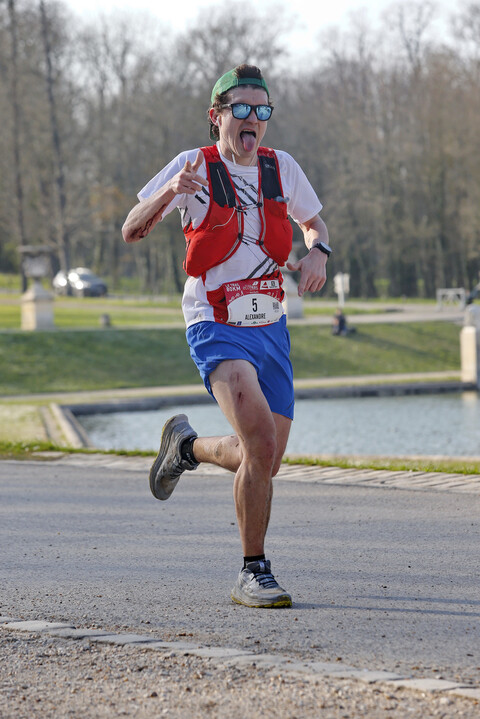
x=322 y=247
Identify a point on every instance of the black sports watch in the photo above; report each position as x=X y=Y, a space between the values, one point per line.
x=323 y=247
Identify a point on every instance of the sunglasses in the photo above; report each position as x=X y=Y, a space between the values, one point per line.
x=241 y=110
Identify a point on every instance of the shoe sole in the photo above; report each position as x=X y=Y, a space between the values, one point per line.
x=284 y=601
x=158 y=491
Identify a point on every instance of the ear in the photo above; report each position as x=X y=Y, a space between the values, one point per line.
x=213 y=116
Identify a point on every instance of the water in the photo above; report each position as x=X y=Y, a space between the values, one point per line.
x=411 y=425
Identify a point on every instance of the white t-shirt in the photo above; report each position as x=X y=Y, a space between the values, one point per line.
x=249 y=260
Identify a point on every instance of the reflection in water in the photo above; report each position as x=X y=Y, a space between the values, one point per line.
x=424 y=425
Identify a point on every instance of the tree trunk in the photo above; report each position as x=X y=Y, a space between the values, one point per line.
x=63 y=239
x=16 y=136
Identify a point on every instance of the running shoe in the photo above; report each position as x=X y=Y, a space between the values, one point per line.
x=257 y=587
x=169 y=464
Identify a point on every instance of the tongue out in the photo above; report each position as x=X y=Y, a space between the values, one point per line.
x=248 y=141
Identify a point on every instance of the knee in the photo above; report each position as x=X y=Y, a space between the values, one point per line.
x=261 y=449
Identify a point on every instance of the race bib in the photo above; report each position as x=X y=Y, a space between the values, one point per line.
x=253 y=302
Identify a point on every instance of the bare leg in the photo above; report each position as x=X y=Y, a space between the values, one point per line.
x=254 y=452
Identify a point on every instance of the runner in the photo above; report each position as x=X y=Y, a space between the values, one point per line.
x=234 y=197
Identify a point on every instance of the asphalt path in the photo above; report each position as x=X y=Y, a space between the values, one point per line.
x=392 y=315
x=381 y=578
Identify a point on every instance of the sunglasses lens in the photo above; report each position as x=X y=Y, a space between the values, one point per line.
x=240 y=110
x=263 y=112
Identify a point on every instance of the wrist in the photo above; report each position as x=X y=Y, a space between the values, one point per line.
x=322 y=247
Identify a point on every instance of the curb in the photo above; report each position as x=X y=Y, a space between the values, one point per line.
x=409 y=480
x=232 y=656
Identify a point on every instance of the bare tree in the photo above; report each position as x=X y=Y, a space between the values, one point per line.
x=63 y=238
x=16 y=134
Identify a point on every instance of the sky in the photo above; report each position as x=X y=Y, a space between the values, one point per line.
x=313 y=15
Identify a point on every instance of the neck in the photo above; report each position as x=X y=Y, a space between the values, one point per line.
x=246 y=162
x=238 y=159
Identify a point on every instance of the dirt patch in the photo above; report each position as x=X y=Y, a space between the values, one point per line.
x=54 y=678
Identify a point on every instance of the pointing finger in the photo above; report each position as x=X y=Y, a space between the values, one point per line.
x=198 y=161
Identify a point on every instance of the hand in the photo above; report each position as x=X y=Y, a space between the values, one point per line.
x=313 y=272
x=187 y=181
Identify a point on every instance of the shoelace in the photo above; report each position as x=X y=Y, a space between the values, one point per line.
x=266 y=580
x=180 y=466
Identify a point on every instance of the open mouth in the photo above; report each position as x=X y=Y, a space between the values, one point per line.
x=248 y=138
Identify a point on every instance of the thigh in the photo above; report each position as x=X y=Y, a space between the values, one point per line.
x=266 y=348
x=236 y=388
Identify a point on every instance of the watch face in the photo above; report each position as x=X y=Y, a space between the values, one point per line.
x=323 y=247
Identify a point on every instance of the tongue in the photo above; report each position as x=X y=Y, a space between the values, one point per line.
x=248 y=141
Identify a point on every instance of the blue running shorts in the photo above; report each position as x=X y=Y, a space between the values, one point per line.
x=267 y=348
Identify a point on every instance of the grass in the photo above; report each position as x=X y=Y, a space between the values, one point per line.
x=34 y=449
x=90 y=360
x=126 y=312
x=67 y=361
x=77 y=313
x=25 y=418
x=375 y=349
x=392 y=464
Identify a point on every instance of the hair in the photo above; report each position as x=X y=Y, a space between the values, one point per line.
x=243 y=70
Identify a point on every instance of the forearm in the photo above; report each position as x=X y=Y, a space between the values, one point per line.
x=313 y=266
x=314 y=231
x=143 y=217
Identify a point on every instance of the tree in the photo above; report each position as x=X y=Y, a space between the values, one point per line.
x=62 y=234
x=16 y=133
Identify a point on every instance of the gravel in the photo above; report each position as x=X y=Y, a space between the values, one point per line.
x=50 y=677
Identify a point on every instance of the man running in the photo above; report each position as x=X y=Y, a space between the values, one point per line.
x=234 y=199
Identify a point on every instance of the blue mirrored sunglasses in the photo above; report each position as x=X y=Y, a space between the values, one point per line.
x=241 y=110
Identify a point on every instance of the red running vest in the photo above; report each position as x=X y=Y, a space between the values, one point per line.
x=220 y=234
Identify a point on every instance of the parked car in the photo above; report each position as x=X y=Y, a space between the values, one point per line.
x=80 y=282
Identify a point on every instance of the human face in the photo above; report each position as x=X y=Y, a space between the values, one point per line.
x=240 y=139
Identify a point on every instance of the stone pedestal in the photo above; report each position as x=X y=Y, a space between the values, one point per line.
x=37 y=308
x=470 y=346
x=37 y=303
x=292 y=303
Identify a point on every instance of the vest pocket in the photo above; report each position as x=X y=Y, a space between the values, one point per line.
x=217 y=299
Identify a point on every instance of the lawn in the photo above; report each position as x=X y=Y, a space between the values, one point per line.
x=71 y=312
x=126 y=312
x=72 y=360
x=375 y=349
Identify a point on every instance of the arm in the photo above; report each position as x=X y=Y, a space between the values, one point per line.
x=143 y=217
x=312 y=267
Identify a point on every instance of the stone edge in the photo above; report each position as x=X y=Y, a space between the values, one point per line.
x=232 y=656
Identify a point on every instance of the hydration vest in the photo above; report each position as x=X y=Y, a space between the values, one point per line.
x=220 y=233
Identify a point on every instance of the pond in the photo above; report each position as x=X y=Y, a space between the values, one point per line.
x=441 y=425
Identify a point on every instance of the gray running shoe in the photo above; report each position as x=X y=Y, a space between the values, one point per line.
x=257 y=587
x=169 y=464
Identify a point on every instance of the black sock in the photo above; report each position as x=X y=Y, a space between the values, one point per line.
x=257 y=558
x=186 y=450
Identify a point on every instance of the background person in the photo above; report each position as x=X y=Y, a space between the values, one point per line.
x=233 y=198
x=339 y=323
x=340 y=327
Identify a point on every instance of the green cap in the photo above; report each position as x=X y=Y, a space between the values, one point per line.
x=230 y=80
